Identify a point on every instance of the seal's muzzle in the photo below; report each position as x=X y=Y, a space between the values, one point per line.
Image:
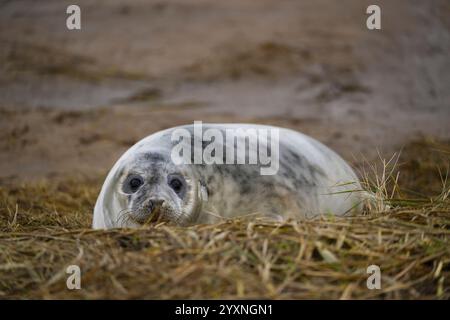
x=155 y=209
x=150 y=212
x=154 y=205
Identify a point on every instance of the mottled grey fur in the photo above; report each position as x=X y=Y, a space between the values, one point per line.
x=311 y=180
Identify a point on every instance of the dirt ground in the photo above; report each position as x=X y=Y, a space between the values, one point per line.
x=45 y=227
x=72 y=101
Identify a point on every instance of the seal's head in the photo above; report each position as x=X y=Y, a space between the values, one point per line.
x=147 y=187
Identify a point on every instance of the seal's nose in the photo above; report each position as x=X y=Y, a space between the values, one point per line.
x=154 y=204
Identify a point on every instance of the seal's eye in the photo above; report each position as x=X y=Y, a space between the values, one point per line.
x=176 y=184
x=132 y=184
x=135 y=183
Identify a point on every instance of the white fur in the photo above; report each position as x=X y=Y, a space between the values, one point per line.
x=332 y=196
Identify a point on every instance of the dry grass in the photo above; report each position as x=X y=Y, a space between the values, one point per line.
x=45 y=227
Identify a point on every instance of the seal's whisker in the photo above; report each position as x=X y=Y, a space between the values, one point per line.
x=124 y=216
x=126 y=219
x=213 y=214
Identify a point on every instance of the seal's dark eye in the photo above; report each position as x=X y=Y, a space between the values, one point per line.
x=135 y=183
x=176 y=184
x=132 y=184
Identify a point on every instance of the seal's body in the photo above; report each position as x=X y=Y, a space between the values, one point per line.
x=146 y=184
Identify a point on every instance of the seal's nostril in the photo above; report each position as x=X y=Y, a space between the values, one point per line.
x=150 y=205
x=154 y=204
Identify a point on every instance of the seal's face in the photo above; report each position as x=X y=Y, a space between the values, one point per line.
x=153 y=189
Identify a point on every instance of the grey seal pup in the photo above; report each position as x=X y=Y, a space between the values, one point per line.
x=147 y=184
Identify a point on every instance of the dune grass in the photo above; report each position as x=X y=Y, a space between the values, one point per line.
x=44 y=227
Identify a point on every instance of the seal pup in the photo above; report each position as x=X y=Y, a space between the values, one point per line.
x=147 y=184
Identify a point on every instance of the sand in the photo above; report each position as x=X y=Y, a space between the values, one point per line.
x=72 y=101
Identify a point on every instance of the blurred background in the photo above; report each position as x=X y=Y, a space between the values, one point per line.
x=71 y=101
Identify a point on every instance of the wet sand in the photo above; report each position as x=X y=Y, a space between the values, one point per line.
x=72 y=101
